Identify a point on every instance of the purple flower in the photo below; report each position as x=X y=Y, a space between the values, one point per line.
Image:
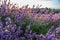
x=42 y=37
x=1 y=33
x=1 y=24
x=3 y=8
x=13 y=29
x=26 y=35
x=53 y=38
x=16 y=39
x=22 y=38
x=28 y=27
x=49 y=37
x=34 y=34
x=8 y=19
x=58 y=30
x=18 y=32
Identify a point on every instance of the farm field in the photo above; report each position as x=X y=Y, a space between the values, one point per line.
x=28 y=23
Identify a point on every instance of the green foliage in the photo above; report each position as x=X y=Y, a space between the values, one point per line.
x=40 y=28
x=56 y=10
x=3 y=19
x=26 y=22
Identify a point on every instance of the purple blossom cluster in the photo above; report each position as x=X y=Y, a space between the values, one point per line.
x=10 y=31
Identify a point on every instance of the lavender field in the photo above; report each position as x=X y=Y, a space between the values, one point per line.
x=28 y=23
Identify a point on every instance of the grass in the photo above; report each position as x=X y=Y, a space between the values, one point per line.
x=40 y=28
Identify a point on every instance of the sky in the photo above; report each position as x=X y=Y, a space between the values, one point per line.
x=44 y=3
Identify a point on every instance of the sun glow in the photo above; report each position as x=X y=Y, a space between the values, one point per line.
x=21 y=3
x=49 y=4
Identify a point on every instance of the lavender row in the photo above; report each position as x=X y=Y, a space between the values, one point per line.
x=13 y=18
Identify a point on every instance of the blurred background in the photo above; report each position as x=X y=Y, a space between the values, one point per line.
x=44 y=3
x=29 y=19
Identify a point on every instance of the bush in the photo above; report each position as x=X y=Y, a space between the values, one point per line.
x=40 y=28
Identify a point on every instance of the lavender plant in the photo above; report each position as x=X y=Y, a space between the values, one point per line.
x=17 y=25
